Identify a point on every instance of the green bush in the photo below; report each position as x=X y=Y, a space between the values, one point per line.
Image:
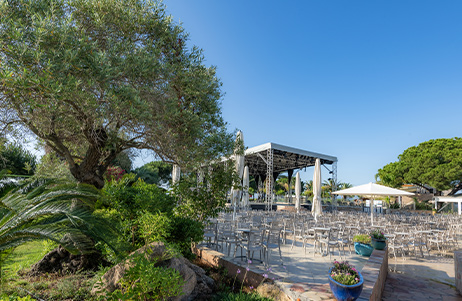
x=144 y=213
x=145 y=281
x=175 y=230
x=362 y=238
x=184 y=231
x=154 y=227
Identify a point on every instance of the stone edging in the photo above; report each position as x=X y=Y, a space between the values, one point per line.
x=375 y=273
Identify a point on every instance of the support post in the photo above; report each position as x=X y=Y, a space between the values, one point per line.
x=334 y=184
x=269 y=179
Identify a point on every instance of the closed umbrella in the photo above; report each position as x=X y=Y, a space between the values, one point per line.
x=372 y=190
x=245 y=183
x=298 y=192
x=317 y=207
x=239 y=168
x=176 y=172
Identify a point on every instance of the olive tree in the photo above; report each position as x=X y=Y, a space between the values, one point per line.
x=92 y=78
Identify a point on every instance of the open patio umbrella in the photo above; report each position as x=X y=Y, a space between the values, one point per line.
x=298 y=192
x=317 y=207
x=245 y=183
x=372 y=190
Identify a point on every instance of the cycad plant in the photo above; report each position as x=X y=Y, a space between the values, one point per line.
x=50 y=209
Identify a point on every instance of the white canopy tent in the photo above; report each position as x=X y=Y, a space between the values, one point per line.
x=372 y=190
x=449 y=199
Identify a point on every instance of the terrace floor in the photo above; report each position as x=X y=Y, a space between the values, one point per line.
x=304 y=276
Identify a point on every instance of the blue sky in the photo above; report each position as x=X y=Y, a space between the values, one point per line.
x=360 y=80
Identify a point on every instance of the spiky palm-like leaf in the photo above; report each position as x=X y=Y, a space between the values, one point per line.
x=49 y=209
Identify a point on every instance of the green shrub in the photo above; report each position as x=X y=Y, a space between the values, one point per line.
x=362 y=238
x=130 y=198
x=184 y=231
x=154 y=227
x=175 y=230
x=146 y=281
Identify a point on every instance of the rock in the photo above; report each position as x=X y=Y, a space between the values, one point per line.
x=205 y=285
x=188 y=275
x=61 y=261
x=196 y=282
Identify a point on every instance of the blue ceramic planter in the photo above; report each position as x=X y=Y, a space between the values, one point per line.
x=344 y=292
x=363 y=249
x=378 y=244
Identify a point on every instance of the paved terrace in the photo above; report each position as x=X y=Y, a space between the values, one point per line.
x=304 y=276
x=300 y=275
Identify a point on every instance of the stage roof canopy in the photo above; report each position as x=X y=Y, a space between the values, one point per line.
x=284 y=158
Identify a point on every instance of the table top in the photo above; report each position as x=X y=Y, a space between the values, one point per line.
x=243 y=230
x=321 y=229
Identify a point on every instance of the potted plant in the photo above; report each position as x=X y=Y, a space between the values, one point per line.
x=378 y=240
x=363 y=245
x=345 y=282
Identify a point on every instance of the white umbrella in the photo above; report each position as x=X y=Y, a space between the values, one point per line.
x=372 y=190
x=298 y=192
x=245 y=183
x=317 y=207
x=176 y=172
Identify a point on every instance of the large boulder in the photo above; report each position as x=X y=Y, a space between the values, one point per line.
x=196 y=283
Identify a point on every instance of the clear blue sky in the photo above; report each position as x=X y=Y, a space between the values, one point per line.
x=360 y=80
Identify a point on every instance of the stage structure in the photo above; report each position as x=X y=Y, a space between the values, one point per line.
x=268 y=160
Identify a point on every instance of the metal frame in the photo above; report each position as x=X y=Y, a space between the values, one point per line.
x=272 y=158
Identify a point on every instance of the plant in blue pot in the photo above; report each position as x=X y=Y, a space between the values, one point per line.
x=346 y=283
x=378 y=240
x=363 y=245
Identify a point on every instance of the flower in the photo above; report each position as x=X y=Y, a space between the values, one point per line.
x=249 y=261
x=247 y=269
x=265 y=275
x=344 y=273
x=377 y=234
x=238 y=271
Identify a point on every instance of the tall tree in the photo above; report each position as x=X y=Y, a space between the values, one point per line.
x=15 y=159
x=93 y=78
x=156 y=172
x=436 y=163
